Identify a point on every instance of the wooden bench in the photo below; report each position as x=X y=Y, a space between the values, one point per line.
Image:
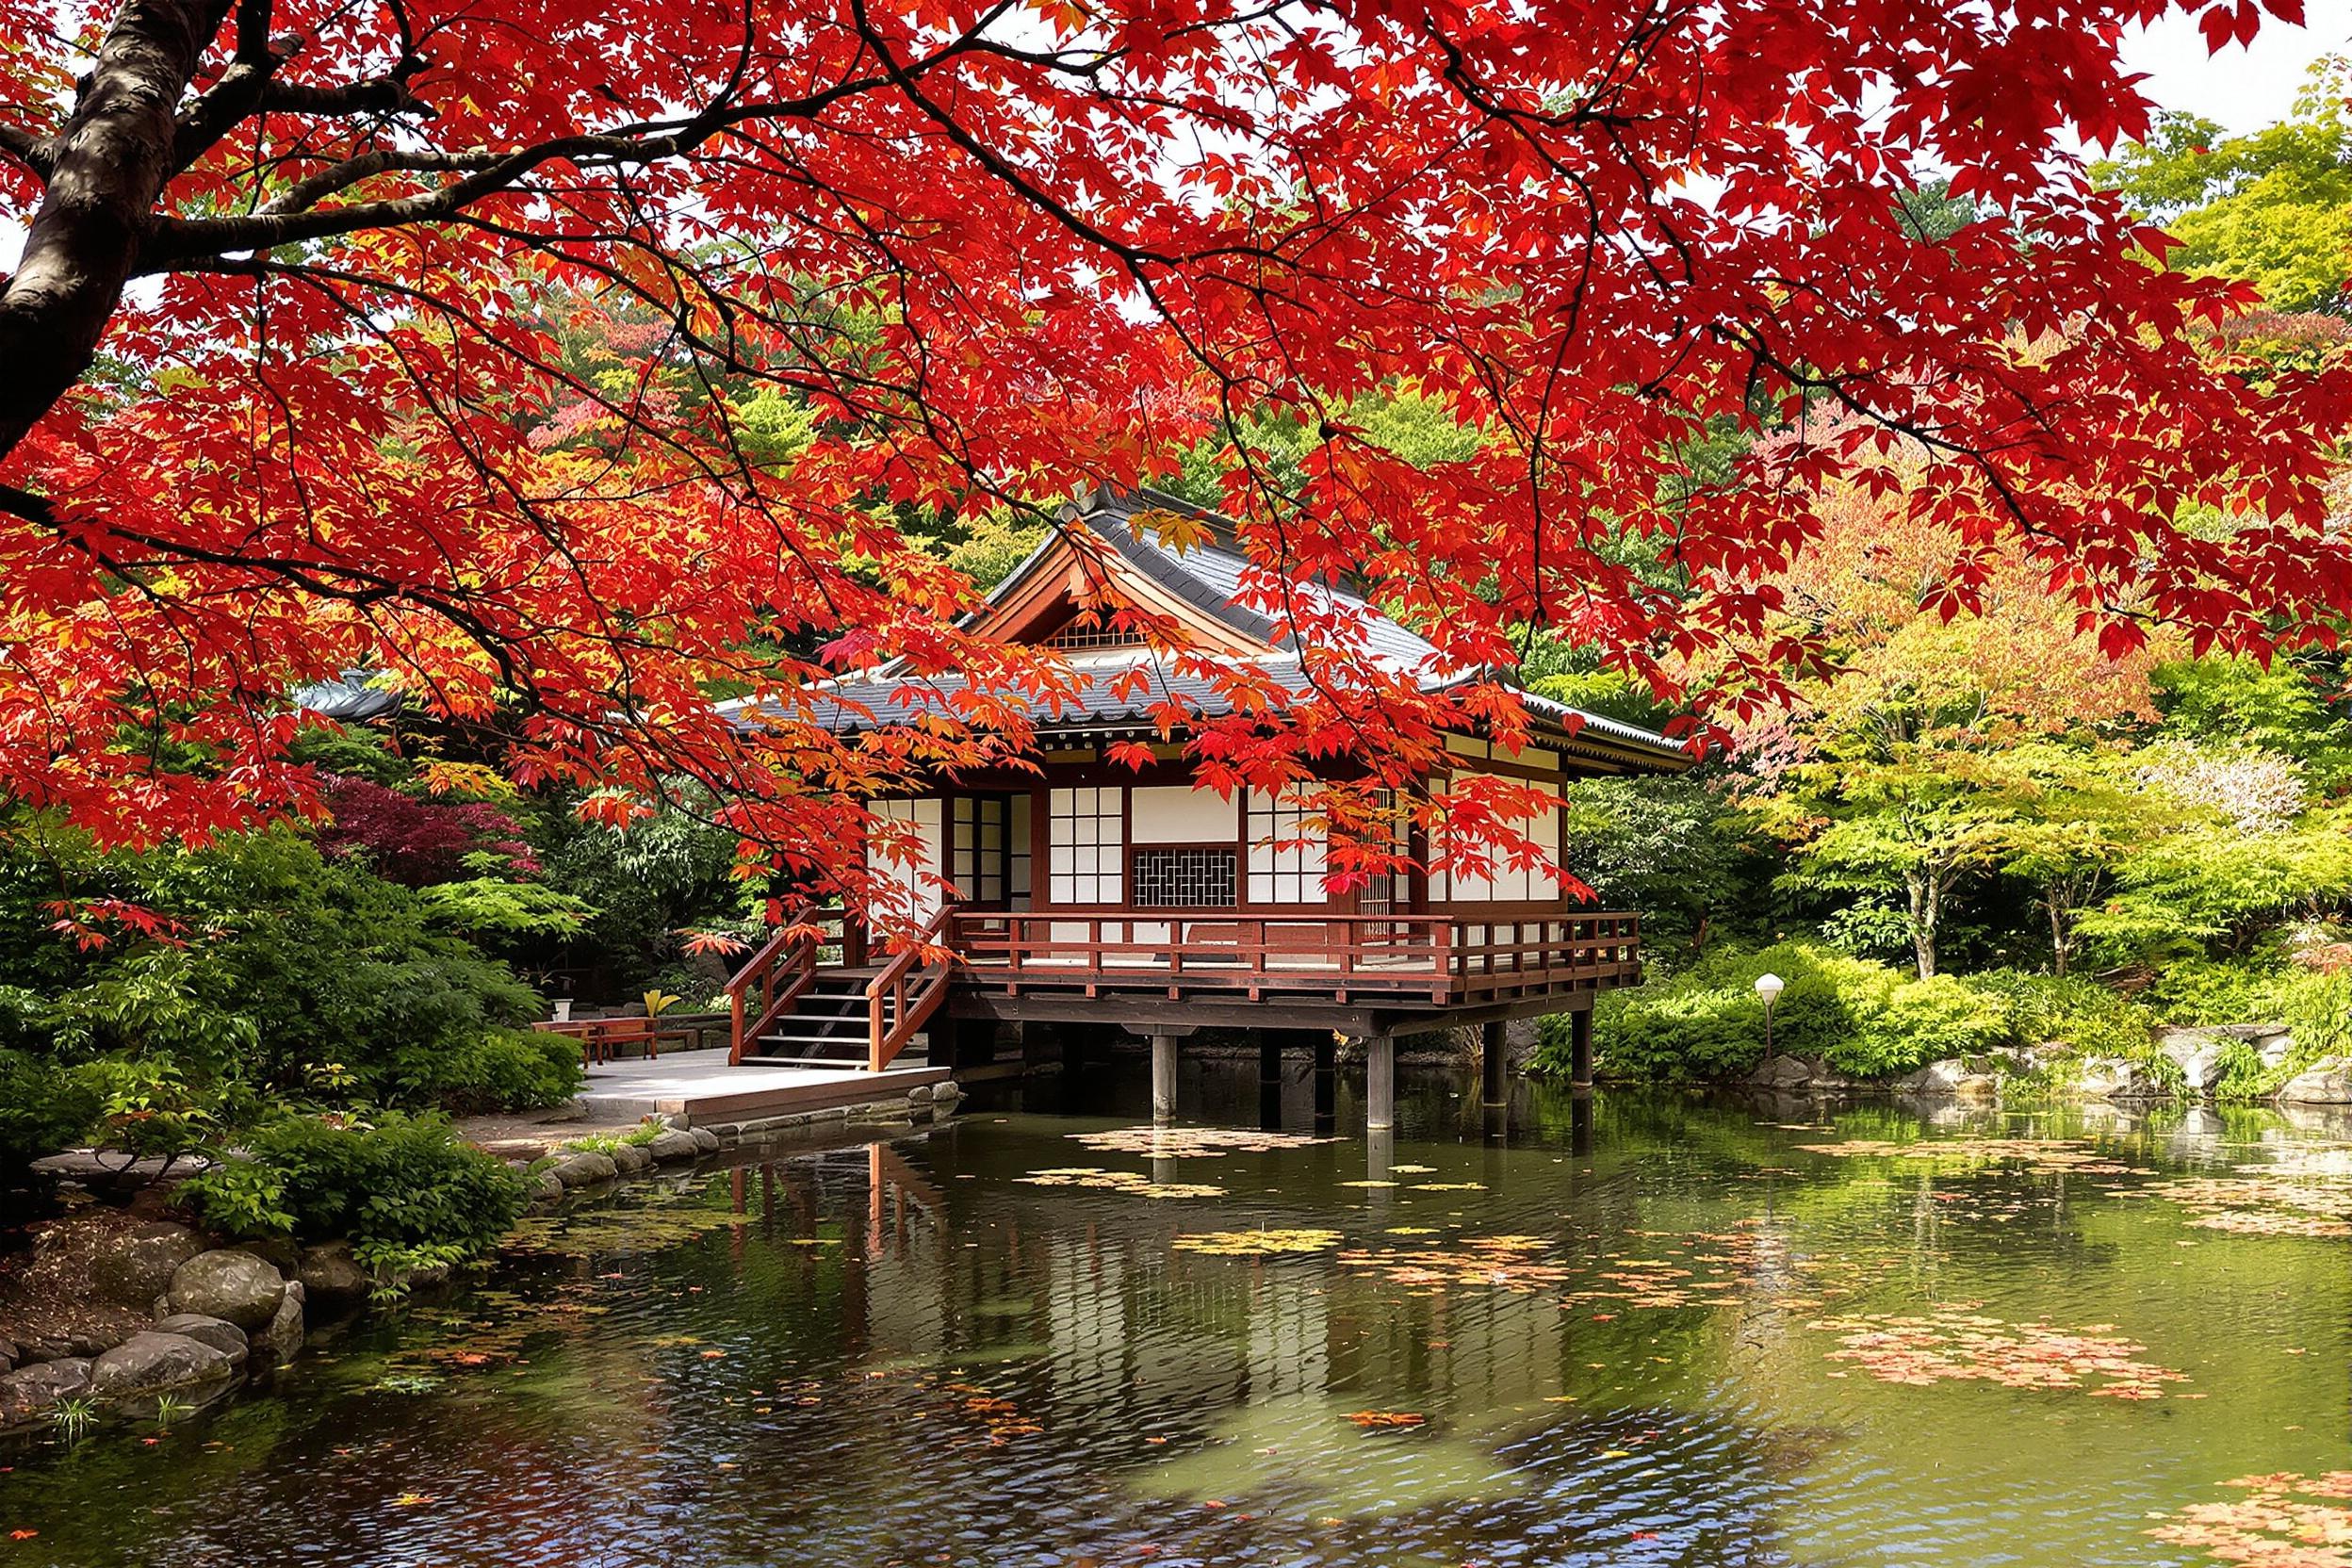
x=601 y=1037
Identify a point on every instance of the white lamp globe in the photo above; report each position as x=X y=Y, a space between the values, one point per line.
x=1769 y=987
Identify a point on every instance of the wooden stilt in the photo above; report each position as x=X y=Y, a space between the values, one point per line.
x=1379 y=1083
x=1162 y=1077
x=1495 y=1062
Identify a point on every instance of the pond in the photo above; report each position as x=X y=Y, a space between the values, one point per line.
x=1641 y=1331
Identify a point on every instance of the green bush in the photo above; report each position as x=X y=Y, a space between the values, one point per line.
x=510 y=1070
x=1706 y=1022
x=291 y=978
x=2199 y=990
x=2317 y=1010
x=402 y=1188
x=1924 y=1021
x=44 y=1108
x=2068 y=1009
x=1864 y=1020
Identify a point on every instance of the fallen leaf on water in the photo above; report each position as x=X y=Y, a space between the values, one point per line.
x=1386 y=1417
x=1235 y=1244
x=2277 y=1524
x=1955 y=1343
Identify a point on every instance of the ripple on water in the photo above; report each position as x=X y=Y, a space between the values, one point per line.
x=1643 y=1350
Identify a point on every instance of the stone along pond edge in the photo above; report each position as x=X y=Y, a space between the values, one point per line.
x=173 y=1319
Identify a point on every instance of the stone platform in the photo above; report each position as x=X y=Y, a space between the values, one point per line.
x=701 y=1089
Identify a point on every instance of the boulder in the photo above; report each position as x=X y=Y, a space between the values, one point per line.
x=29 y=1391
x=133 y=1267
x=147 y=1365
x=942 y=1093
x=218 y=1333
x=584 y=1168
x=632 y=1160
x=1782 y=1072
x=282 y=1340
x=2201 y=1054
x=705 y=1139
x=1935 y=1080
x=2115 y=1078
x=544 y=1187
x=919 y=1095
x=673 y=1146
x=332 y=1275
x=231 y=1284
x=2325 y=1082
x=283 y=1253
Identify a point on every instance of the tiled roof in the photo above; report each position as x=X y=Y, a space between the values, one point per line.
x=1209 y=576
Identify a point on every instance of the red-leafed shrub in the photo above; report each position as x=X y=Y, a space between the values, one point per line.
x=414 y=841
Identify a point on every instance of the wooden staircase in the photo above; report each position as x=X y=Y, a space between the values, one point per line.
x=800 y=1002
x=828 y=1024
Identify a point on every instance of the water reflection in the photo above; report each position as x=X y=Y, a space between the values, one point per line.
x=1597 y=1339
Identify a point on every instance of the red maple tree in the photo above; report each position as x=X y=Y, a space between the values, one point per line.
x=285 y=388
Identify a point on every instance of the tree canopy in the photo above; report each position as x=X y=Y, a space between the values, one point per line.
x=2271 y=206
x=295 y=378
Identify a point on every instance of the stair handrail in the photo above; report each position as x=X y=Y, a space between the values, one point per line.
x=795 y=944
x=891 y=1019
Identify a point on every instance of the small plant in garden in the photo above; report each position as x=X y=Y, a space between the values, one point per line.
x=74 y=1417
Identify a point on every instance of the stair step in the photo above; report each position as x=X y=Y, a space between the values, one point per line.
x=805 y=1061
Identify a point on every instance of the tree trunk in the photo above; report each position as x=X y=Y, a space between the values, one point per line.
x=1927 y=903
x=107 y=169
x=2059 y=941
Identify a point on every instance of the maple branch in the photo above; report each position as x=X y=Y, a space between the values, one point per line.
x=111 y=160
x=230 y=99
x=26 y=148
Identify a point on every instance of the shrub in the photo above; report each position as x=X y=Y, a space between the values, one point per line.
x=44 y=1108
x=2198 y=991
x=496 y=1069
x=2317 y=1010
x=1864 y=1020
x=2070 y=1011
x=1924 y=1021
x=416 y=841
x=1706 y=1022
x=402 y=1188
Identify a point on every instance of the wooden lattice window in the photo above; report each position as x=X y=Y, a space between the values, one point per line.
x=1285 y=850
x=1186 y=878
x=1087 y=635
x=1086 y=845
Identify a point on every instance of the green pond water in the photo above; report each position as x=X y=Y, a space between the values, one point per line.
x=1635 y=1330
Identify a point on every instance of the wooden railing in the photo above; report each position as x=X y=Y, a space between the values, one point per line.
x=1451 y=959
x=782 y=969
x=900 y=999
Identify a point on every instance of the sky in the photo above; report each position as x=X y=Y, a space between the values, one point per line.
x=2243 y=88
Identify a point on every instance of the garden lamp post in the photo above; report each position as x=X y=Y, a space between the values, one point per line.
x=1767 y=988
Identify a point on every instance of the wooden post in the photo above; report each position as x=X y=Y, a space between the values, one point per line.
x=1379 y=1083
x=1326 y=1080
x=1581 y=1049
x=1269 y=1080
x=1162 y=1077
x=1494 y=1059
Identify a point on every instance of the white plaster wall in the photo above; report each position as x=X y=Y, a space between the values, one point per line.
x=1180 y=814
x=917 y=877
